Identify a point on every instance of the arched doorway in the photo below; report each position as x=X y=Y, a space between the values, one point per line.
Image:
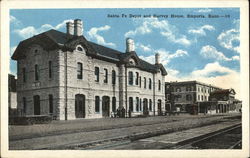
x=36 y=100
x=105 y=106
x=159 y=107
x=80 y=106
x=145 y=106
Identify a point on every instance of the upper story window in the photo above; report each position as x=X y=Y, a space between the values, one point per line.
x=24 y=74
x=140 y=81
x=188 y=88
x=150 y=84
x=159 y=85
x=130 y=78
x=79 y=70
x=198 y=97
x=105 y=75
x=113 y=76
x=178 y=89
x=50 y=69
x=79 y=48
x=188 y=97
x=137 y=78
x=145 y=82
x=97 y=71
x=36 y=72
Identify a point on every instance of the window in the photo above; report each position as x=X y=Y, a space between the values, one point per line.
x=168 y=97
x=150 y=105
x=105 y=76
x=198 y=97
x=140 y=81
x=131 y=104
x=97 y=74
x=188 y=88
x=178 y=90
x=140 y=105
x=159 y=85
x=24 y=75
x=113 y=104
x=79 y=48
x=97 y=104
x=137 y=104
x=130 y=78
x=36 y=73
x=79 y=70
x=137 y=78
x=188 y=97
x=145 y=82
x=51 y=104
x=24 y=105
x=50 y=69
x=113 y=76
x=202 y=98
x=150 y=84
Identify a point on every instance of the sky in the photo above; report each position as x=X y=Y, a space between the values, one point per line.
x=193 y=45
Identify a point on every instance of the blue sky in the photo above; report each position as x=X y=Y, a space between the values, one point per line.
x=204 y=49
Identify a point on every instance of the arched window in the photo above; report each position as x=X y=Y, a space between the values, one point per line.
x=140 y=105
x=150 y=84
x=137 y=104
x=36 y=72
x=131 y=104
x=97 y=71
x=105 y=75
x=188 y=97
x=50 y=69
x=130 y=78
x=113 y=104
x=150 y=105
x=159 y=85
x=137 y=78
x=145 y=82
x=140 y=81
x=79 y=70
x=97 y=104
x=113 y=76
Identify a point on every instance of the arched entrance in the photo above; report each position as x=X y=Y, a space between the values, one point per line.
x=105 y=106
x=80 y=106
x=159 y=107
x=145 y=106
x=36 y=100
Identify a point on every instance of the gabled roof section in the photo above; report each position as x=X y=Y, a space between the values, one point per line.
x=224 y=91
x=53 y=39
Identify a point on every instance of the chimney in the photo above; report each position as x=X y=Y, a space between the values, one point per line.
x=78 y=27
x=130 y=45
x=157 y=58
x=70 y=28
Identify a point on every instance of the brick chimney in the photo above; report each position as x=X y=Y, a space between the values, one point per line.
x=78 y=30
x=130 y=45
x=70 y=28
x=157 y=58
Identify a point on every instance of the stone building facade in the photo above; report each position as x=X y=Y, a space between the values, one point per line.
x=69 y=77
x=186 y=96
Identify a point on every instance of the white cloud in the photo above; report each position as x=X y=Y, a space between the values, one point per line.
x=165 y=56
x=93 y=34
x=15 y=21
x=227 y=38
x=206 y=10
x=212 y=53
x=167 y=30
x=145 y=48
x=229 y=79
x=201 y=30
x=31 y=30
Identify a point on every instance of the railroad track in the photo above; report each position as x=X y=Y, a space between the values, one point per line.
x=204 y=142
x=193 y=143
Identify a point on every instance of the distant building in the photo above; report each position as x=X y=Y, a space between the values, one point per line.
x=221 y=101
x=196 y=97
x=12 y=100
x=68 y=77
x=186 y=96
